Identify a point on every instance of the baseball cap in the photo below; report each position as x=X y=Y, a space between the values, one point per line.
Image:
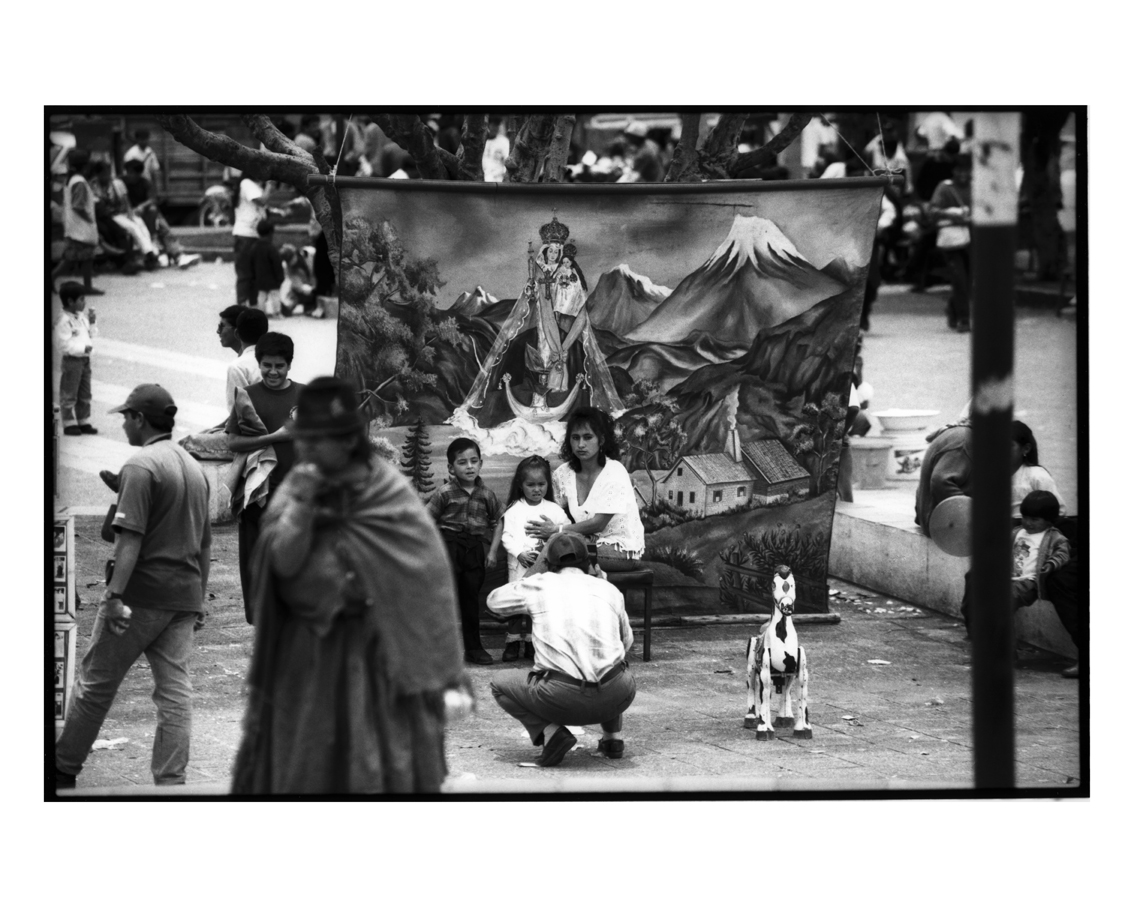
x=149 y=400
x=566 y=549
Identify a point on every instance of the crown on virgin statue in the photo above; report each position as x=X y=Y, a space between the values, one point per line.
x=554 y=232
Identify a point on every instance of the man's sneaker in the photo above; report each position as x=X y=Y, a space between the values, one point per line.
x=163 y=260
x=63 y=781
x=187 y=261
x=511 y=651
x=72 y=430
x=88 y=429
x=612 y=749
x=529 y=651
x=478 y=657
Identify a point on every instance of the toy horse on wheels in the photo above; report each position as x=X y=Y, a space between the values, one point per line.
x=775 y=658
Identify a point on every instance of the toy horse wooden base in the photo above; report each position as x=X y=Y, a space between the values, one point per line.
x=776 y=659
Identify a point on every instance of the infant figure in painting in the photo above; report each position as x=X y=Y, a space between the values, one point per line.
x=776 y=657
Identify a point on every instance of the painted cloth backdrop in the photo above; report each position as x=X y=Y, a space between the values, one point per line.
x=715 y=322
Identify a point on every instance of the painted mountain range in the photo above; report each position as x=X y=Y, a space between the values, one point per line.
x=755 y=279
x=622 y=300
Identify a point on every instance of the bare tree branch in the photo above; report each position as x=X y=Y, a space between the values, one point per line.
x=765 y=155
x=719 y=150
x=559 y=149
x=262 y=127
x=407 y=131
x=470 y=157
x=683 y=167
x=292 y=169
x=530 y=148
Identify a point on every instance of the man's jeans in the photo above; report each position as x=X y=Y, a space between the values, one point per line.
x=166 y=639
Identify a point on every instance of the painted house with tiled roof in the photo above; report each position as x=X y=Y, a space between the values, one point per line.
x=711 y=483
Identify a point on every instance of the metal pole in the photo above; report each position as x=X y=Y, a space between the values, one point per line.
x=996 y=154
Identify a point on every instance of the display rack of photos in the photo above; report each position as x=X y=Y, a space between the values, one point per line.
x=62 y=568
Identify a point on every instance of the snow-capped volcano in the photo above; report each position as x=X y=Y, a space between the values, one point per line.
x=755 y=279
x=623 y=299
x=470 y=304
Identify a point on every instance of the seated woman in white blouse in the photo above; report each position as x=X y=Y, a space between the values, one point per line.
x=595 y=490
x=1027 y=474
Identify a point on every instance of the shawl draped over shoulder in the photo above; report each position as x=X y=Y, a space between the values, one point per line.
x=372 y=616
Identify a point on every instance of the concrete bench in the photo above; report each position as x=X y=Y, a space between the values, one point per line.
x=875 y=543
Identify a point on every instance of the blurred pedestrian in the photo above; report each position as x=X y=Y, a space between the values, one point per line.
x=142 y=152
x=250 y=204
x=644 y=155
x=951 y=206
x=154 y=598
x=143 y=201
x=80 y=231
x=356 y=664
x=298 y=290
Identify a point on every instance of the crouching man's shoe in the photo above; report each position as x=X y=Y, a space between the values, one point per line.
x=612 y=749
x=557 y=747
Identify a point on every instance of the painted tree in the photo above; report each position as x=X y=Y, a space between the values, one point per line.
x=392 y=331
x=416 y=462
x=817 y=440
x=652 y=436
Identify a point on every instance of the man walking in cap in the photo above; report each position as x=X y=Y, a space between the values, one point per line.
x=582 y=637
x=154 y=596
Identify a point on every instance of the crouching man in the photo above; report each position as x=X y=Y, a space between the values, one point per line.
x=582 y=637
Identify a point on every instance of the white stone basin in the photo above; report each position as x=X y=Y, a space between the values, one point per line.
x=906 y=419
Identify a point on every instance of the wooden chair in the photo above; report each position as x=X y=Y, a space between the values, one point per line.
x=637 y=579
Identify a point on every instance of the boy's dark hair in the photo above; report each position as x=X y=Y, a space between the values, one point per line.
x=231 y=313
x=461 y=444
x=601 y=424
x=274 y=344
x=265 y=227
x=1042 y=504
x=141 y=135
x=251 y=324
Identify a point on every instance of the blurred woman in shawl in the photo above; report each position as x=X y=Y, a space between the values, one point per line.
x=354 y=671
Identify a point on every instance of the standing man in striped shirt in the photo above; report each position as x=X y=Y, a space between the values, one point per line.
x=582 y=637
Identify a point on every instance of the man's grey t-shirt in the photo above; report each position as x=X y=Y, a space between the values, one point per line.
x=164 y=495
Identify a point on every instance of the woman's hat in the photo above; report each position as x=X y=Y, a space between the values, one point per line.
x=327 y=406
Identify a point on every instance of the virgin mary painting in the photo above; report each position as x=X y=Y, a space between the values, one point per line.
x=562 y=363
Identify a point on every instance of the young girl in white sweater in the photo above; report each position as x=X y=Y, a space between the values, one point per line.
x=529 y=498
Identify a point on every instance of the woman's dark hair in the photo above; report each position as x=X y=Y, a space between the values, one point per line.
x=526 y=465
x=1042 y=504
x=1023 y=436
x=601 y=424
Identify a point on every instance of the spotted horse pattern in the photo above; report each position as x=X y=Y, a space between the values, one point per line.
x=776 y=659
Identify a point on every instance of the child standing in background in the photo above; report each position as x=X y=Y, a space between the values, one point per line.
x=267 y=270
x=529 y=498
x=72 y=336
x=469 y=515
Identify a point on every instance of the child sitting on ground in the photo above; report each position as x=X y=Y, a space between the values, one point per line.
x=529 y=498
x=468 y=514
x=298 y=291
x=267 y=270
x=1038 y=548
